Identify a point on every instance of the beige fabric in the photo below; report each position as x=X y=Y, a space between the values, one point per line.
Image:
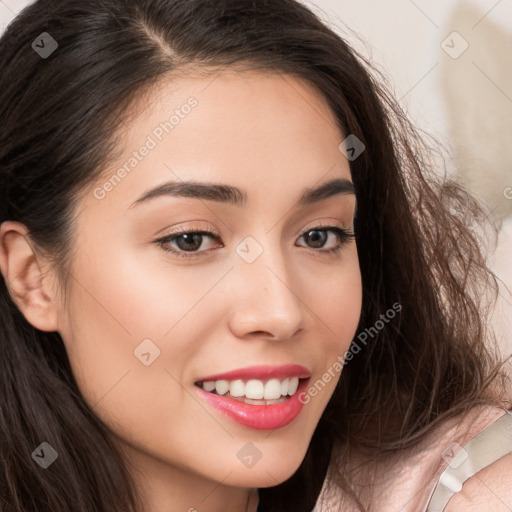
x=490 y=445
x=406 y=482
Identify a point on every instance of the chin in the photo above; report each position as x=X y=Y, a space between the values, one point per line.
x=270 y=470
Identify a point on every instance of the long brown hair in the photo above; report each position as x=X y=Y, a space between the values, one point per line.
x=60 y=116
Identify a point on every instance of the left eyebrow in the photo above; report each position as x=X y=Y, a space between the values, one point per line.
x=236 y=197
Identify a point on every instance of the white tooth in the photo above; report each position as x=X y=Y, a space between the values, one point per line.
x=221 y=386
x=209 y=385
x=294 y=383
x=272 y=390
x=284 y=387
x=254 y=402
x=264 y=402
x=271 y=402
x=237 y=388
x=254 y=389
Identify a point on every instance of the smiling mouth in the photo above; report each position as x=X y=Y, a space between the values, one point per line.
x=253 y=391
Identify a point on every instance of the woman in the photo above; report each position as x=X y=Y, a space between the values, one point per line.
x=230 y=279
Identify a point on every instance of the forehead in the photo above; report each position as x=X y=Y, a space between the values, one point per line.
x=247 y=129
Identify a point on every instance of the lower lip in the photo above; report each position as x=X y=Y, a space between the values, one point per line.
x=259 y=417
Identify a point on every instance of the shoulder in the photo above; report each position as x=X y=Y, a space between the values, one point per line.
x=406 y=480
x=489 y=490
x=490 y=447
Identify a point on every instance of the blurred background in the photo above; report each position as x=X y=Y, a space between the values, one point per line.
x=449 y=63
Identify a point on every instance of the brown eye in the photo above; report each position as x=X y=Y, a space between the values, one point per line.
x=191 y=241
x=316 y=238
x=186 y=243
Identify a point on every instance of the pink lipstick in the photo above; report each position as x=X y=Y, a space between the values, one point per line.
x=258 y=397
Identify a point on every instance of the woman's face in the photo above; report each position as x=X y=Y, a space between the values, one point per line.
x=258 y=299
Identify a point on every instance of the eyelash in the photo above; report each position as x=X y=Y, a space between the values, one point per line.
x=344 y=236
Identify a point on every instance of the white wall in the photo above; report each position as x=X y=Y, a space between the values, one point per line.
x=8 y=9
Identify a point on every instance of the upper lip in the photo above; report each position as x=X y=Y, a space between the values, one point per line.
x=261 y=372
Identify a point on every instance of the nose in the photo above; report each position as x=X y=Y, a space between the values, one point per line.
x=266 y=298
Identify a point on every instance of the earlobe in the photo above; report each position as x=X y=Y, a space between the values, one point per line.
x=22 y=270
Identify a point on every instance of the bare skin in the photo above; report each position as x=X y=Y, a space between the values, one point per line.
x=271 y=136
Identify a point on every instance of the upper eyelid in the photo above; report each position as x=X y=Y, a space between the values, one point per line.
x=213 y=233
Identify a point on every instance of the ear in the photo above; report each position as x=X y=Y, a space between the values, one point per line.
x=23 y=271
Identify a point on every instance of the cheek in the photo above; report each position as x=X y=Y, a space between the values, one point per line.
x=129 y=297
x=117 y=316
x=337 y=300
x=124 y=304
x=118 y=312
